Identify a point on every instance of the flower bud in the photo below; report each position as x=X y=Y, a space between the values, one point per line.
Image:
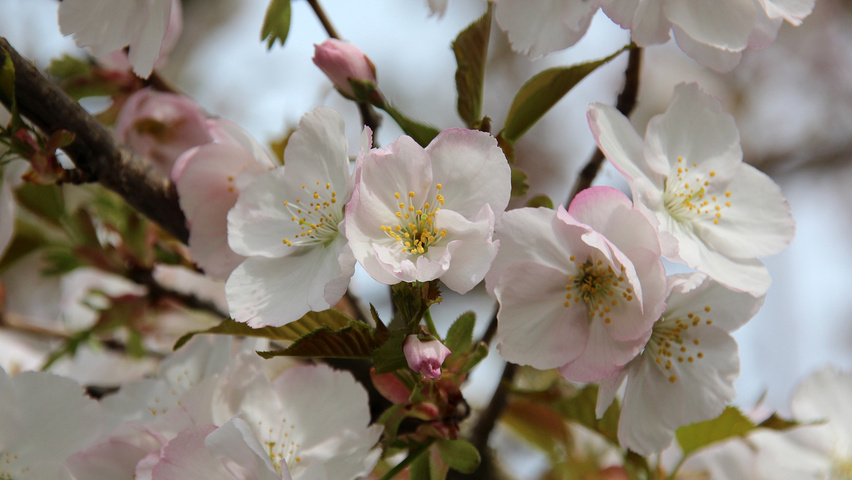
x=425 y=356
x=342 y=61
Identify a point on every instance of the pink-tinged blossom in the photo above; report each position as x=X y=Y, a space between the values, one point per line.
x=579 y=290
x=545 y=26
x=425 y=356
x=288 y=223
x=149 y=27
x=161 y=126
x=715 y=213
x=341 y=62
x=209 y=178
x=714 y=34
x=43 y=420
x=421 y=214
x=687 y=370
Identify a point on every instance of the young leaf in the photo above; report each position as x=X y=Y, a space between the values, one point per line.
x=459 y=454
x=389 y=356
x=311 y=322
x=540 y=201
x=471 y=50
x=276 y=23
x=353 y=341
x=581 y=409
x=519 y=183
x=43 y=200
x=542 y=92
x=731 y=423
x=420 y=132
x=460 y=336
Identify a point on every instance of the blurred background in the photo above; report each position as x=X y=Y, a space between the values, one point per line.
x=792 y=102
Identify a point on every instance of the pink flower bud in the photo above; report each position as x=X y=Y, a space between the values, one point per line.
x=161 y=126
x=341 y=61
x=425 y=356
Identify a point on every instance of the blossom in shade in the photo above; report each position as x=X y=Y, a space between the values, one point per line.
x=421 y=214
x=43 y=420
x=341 y=62
x=715 y=213
x=209 y=178
x=578 y=289
x=161 y=126
x=288 y=223
x=545 y=26
x=149 y=27
x=686 y=372
x=425 y=356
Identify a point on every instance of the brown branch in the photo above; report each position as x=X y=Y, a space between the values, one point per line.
x=94 y=151
x=625 y=104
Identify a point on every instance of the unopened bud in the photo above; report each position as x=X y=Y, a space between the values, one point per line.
x=341 y=62
x=425 y=356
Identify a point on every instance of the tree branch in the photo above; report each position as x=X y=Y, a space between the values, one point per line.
x=625 y=104
x=94 y=151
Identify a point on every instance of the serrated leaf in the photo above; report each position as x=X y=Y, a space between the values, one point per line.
x=519 y=183
x=581 y=409
x=460 y=455
x=389 y=356
x=540 y=201
x=542 y=92
x=43 y=200
x=291 y=332
x=460 y=335
x=731 y=423
x=471 y=51
x=353 y=341
x=420 y=132
x=276 y=23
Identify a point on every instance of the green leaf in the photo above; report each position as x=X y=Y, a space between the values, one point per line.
x=540 y=201
x=61 y=260
x=471 y=50
x=389 y=356
x=420 y=468
x=356 y=340
x=519 y=183
x=775 y=422
x=479 y=353
x=43 y=200
x=67 y=66
x=311 y=322
x=539 y=425
x=581 y=409
x=27 y=238
x=542 y=92
x=276 y=23
x=420 y=132
x=459 y=454
x=731 y=423
x=460 y=335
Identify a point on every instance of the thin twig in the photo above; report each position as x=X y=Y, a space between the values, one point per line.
x=323 y=18
x=625 y=104
x=491 y=329
x=95 y=153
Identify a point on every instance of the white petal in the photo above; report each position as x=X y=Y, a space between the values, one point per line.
x=547 y=26
x=472 y=258
x=718 y=59
x=238 y=451
x=535 y=328
x=825 y=395
x=724 y=24
x=102 y=25
x=317 y=151
x=619 y=141
x=602 y=356
x=794 y=11
x=472 y=170
x=746 y=275
x=758 y=222
x=700 y=295
x=145 y=47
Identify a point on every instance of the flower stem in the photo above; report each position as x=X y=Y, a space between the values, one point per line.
x=409 y=459
x=323 y=18
x=430 y=324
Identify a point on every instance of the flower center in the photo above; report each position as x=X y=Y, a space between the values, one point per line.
x=318 y=216
x=668 y=346
x=280 y=444
x=685 y=199
x=598 y=287
x=416 y=229
x=7 y=461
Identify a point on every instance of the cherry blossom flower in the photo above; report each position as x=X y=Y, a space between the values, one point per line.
x=822 y=448
x=578 y=289
x=149 y=27
x=161 y=126
x=425 y=356
x=208 y=179
x=341 y=62
x=421 y=214
x=715 y=213
x=44 y=419
x=716 y=35
x=545 y=26
x=288 y=223
x=687 y=370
